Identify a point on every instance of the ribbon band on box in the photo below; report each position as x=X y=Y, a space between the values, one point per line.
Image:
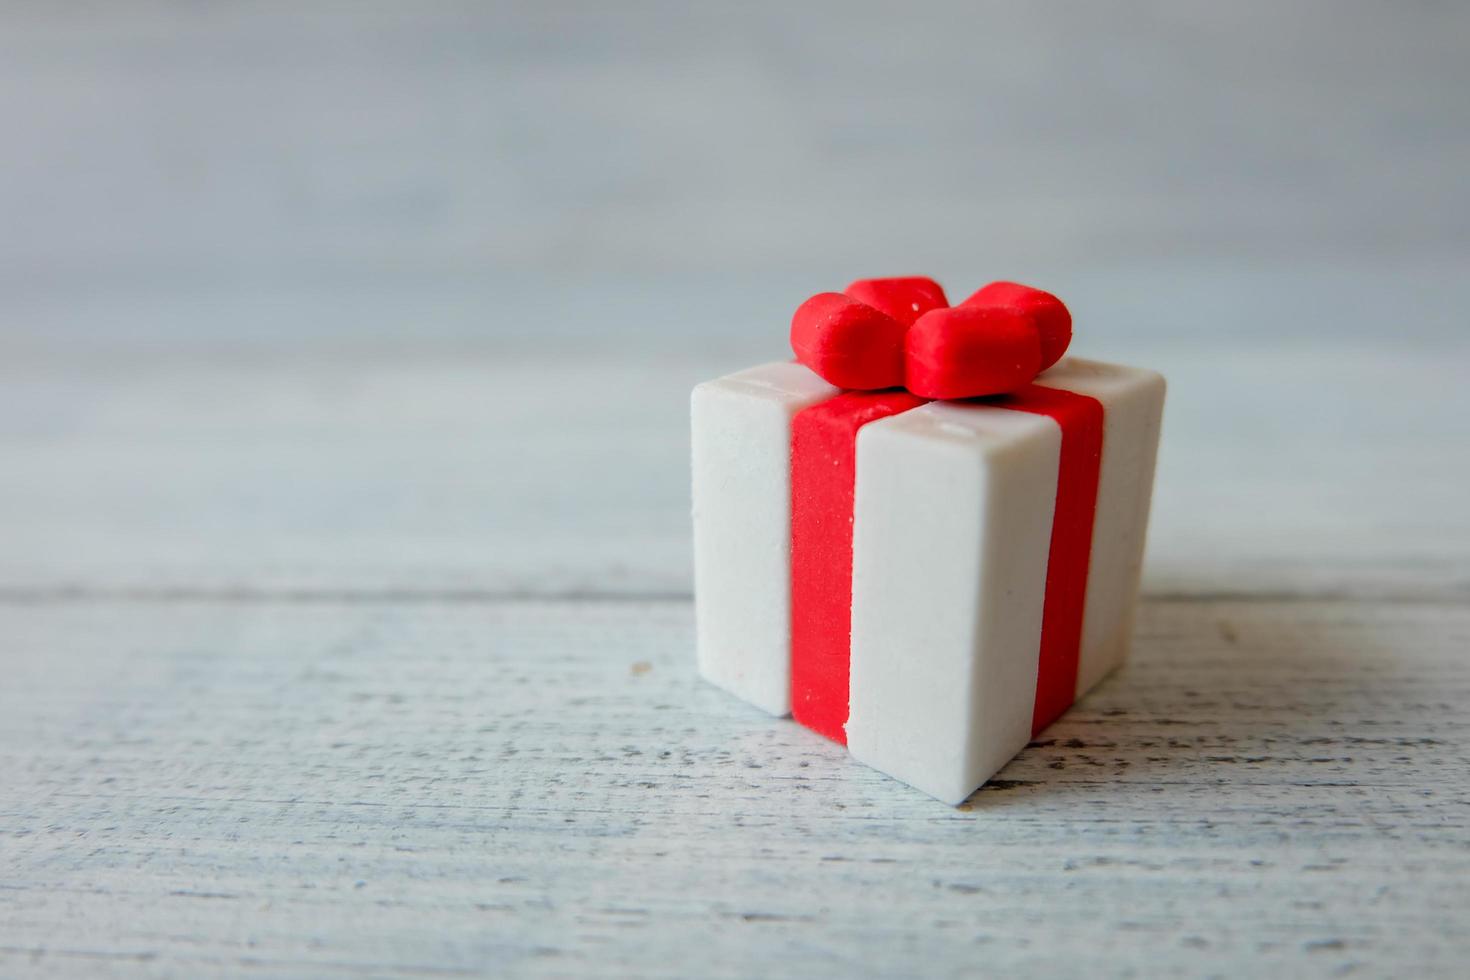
x=823 y=480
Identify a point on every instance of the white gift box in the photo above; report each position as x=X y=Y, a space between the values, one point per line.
x=929 y=582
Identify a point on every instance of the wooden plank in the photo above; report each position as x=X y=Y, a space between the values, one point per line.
x=417 y=789
x=1283 y=470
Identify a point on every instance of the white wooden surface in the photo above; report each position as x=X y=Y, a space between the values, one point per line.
x=417 y=789
x=385 y=667
x=344 y=560
x=1285 y=469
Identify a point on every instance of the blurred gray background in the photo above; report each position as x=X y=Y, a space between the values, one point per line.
x=371 y=295
x=494 y=173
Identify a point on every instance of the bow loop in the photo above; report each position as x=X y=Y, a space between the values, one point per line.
x=902 y=332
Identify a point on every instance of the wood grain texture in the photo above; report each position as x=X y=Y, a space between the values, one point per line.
x=1283 y=470
x=346 y=664
x=545 y=787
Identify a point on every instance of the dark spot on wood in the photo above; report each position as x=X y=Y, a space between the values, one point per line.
x=1001 y=785
x=772 y=917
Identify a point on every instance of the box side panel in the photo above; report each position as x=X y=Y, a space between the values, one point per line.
x=1132 y=400
x=952 y=521
x=740 y=440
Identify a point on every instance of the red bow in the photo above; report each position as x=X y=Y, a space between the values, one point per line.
x=902 y=333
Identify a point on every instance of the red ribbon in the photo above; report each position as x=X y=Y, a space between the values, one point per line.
x=860 y=340
x=902 y=333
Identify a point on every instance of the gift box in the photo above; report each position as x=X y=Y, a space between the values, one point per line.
x=930 y=581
